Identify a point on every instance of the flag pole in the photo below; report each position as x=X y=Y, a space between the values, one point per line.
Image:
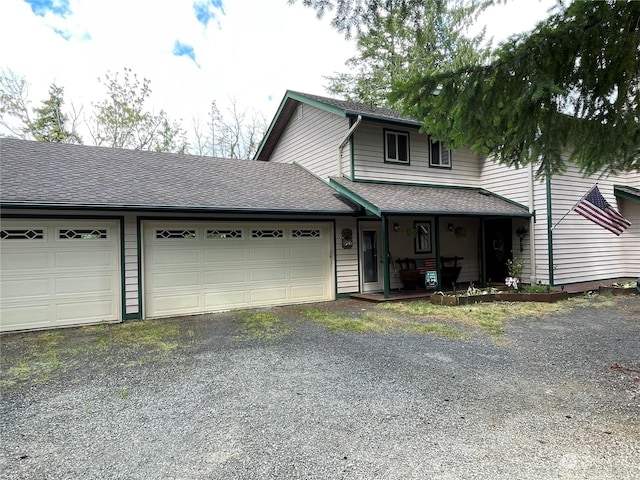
x=574 y=205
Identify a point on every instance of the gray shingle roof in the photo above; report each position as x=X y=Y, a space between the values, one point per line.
x=389 y=198
x=356 y=108
x=49 y=174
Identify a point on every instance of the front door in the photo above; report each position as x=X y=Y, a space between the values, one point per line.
x=371 y=259
x=497 y=248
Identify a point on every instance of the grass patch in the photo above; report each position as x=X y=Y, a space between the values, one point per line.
x=491 y=317
x=265 y=325
x=378 y=322
x=37 y=357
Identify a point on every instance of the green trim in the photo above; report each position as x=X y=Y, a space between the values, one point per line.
x=316 y=103
x=436 y=221
x=549 y=226
x=628 y=193
x=483 y=254
x=344 y=295
x=354 y=197
x=132 y=316
x=385 y=259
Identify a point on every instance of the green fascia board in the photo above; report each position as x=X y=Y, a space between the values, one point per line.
x=342 y=190
x=626 y=192
x=315 y=103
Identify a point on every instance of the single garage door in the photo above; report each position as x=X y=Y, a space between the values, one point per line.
x=194 y=268
x=58 y=273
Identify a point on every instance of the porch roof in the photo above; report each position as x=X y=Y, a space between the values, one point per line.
x=396 y=199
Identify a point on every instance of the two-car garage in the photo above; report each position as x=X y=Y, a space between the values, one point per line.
x=197 y=267
x=67 y=272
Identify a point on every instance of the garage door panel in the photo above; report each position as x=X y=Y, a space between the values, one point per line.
x=23 y=261
x=95 y=310
x=97 y=284
x=226 y=299
x=224 y=277
x=176 y=257
x=218 y=252
x=13 y=317
x=307 y=272
x=176 y=280
x=241 y=265
x=268 y=274
x=305 y=292
x=184 y=302
x=19 y=289
x=268 y=295
x=78 y=259
x=308 y=252
x=267 y=254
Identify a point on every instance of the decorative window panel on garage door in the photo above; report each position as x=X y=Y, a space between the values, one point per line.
x=223 y=266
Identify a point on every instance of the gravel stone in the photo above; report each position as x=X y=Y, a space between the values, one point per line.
x=555 y=397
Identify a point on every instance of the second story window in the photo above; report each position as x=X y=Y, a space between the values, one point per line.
x=439 y=154
x=396 y=147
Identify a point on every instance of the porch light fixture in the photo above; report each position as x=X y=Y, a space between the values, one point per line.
x=396 y=227
x=521 y=232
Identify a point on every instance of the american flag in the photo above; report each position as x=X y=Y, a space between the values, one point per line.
x=594 y=207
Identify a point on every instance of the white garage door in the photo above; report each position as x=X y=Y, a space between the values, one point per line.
x=58 y=273
x=197 y=268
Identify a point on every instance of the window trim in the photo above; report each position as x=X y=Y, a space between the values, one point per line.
x=432 y=164
x=397 y=133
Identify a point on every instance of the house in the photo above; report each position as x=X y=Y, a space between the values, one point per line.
x=343 y=199
x=471 y=208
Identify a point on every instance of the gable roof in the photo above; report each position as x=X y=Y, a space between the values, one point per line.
x=389 y=198
x=38 y=174
x=342 y=108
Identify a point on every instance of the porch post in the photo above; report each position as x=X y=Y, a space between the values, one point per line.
x=436 y=233
x=385 y=256
x=483 y=255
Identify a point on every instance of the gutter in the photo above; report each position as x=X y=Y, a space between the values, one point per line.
x=344 y=142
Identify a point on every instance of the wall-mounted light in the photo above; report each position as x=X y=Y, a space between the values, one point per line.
x=521 y=232
x=450 y=227
x=347 y=238
x=396 y=227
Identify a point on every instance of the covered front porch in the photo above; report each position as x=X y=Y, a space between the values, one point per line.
x=417 y=239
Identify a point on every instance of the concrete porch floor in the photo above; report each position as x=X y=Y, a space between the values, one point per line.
x=422 y=294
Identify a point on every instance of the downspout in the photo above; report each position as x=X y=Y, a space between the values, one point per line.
x=344 y=142
x=532 y=229
x=549 y=224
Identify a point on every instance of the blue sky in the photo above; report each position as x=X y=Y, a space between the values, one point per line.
x=193 y=51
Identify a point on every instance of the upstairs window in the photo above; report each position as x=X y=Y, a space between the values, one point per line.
x=439 y=154
x=396 y=147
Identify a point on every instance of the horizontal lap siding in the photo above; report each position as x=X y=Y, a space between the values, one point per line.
x=132 y=299
x=312 y=140
x=347 y=280
x=370 y=165
x=584 y=251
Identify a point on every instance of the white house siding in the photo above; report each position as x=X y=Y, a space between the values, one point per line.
x=347 y=279
x=311 y=139
x=132 y=300
x=370 y=165
x=582 y=250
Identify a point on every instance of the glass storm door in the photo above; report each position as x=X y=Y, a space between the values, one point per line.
x=370 y=260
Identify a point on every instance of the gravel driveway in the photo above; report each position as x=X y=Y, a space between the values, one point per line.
x=551 y=398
